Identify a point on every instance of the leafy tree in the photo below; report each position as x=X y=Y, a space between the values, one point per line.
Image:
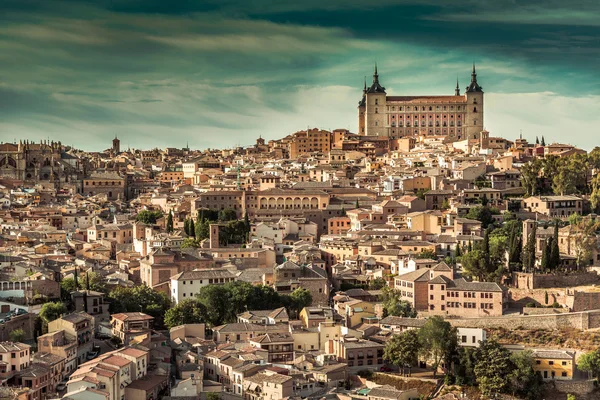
x=377 y=284
x=590 y=363
x=67 y=286
x=219 y=307
x=445 y=205
x=425 y=254
x=203 y=229
x=584 y=239
x=189 y=311
x=170 y=222
x=524 y=381
x=148 y=217
x=227 y=214
x=140 y=299
x=493 y=368
x=464 y=370
x=300 y=298
x=51 y=311
x=16 y=335
x=403 y=350
x=474 y=265
x=595 y=195
x=483 y=214
x=189 y=242
x=393 y=305
x=531 y=177
x=213 y=396
x=435 y=338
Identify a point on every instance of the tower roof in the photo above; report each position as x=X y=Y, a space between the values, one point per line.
x=376 y=87
x=474 y=86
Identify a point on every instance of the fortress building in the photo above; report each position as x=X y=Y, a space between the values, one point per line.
x=457 y=117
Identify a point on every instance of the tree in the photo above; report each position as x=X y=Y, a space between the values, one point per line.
x=595 y=195
x=140 y=299
x=529 y=251
x=531 y=179
x=493 y=368
x=590 y=363
x=357 y=205
x=67 y=286
x=203 y=229
x=189 y=242
x=300 y=298
x=524 y=381
x=466 y=363
x=248 y=227
x=377 y=284
x=393 y=305
x=537 y=140
x=189 y=311
x=227 y=214
x=435 y=338
x=425 y=254
x=17 y=335
x=186 y=226
x=170 y=222
x=192 y=229
x=584 y=240
x=545 y=264
x=474 y=265
x=482 y=214
x=554 y=258
x=51 y=311
x=457 y=252
x=445 y=205
x=403 y=350
x=148 y=217
x=213 y=396
x=543 y=141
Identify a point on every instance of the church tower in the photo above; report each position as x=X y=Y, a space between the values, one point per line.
x=116 y=145
x=375 y=108
x=362 y=108
x=474 y=116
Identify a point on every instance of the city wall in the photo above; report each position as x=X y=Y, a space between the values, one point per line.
x=578 y=320
x=523 y=280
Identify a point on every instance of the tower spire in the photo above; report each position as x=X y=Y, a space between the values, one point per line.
x=375 y=75
x=457 y=90
x=473 y=74
x=365 y=86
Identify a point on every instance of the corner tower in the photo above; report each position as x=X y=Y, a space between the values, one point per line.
x=375 y=108
x=474 y=115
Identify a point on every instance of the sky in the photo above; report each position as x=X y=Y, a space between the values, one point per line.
x=220 y=73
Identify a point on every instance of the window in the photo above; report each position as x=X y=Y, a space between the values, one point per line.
x=551 y=362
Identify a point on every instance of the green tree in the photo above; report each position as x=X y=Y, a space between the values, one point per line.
x=543 y=142
x=148 y=217
x=213 y=396
x=403 y=350
x=493 y=368
x=531 y=179
x=300 y=298
x=227 y=214
x=67 y=286
x=545 y=262
x=435 y=338
x=393 y=305
x=170 y=222
x=203 y=229
x=474 y=265
x=483 y=214
x=590 y=363
x=189 y=311
x=464 y=370
x=554 y=258
x=377 y=284
x=529 y=251
x=524 y=381
x=51 y=311
x=140 y=299
x=247 y=226
x=425 y=254
x=192 y=229
x=16 y=335
x=595 y=195
x=189 y=242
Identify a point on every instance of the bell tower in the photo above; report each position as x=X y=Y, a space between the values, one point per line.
x=116 y=145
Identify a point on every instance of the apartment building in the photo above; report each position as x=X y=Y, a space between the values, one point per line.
x=187 y=284
x=127 y=325
x=357 y=353
x=554 y=364
x=554 y=206
x=78 y=327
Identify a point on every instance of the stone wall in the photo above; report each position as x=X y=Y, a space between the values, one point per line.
x=575 y=387
x=583 y=301
x=578 y=320
x=520 y=297
x=524 y=280
x=543 y=311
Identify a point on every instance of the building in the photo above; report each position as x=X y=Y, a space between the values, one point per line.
x=279 y=347
x=554 y=206
x=187 y=284
x=127 y=325
x=309 y=141
x=357 y=353
x=456 y=117
x=554 y=364
x=78 y=327
x=109 y=183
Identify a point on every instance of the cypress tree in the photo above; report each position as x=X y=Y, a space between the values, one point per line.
x=457 y=253
x=537 y=141
x=543 y=143
x=192 y=228
x=170 y=222
x=546 y=256
x=75 y=278
x=555 y=251
x=469 y=247
x=529 y=253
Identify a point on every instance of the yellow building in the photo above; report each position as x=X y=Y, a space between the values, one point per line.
x=554 y=364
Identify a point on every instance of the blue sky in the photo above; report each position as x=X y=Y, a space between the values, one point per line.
x=222 y=72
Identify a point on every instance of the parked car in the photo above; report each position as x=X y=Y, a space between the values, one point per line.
x=92 y=354
x=103 y=336
x=20 y=311
x=385 y=368
x=62 y=385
